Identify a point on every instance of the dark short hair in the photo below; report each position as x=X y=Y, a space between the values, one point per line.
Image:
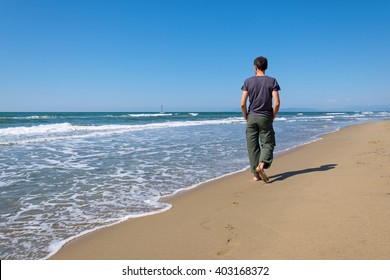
x=261 y=63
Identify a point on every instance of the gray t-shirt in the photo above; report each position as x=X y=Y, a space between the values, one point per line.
x=260 y=90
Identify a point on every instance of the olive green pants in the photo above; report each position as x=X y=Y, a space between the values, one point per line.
x=260 y=140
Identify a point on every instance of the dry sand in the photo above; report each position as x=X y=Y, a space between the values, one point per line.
x=326 y=200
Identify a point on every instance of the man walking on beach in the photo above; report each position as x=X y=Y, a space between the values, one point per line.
x=261 y=90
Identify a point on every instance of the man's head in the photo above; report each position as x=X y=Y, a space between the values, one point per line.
x=261 y=63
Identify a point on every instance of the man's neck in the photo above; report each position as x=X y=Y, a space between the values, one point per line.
x=260 y=73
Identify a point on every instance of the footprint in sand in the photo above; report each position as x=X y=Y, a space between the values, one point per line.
x=231 y=241
x=234 y=203
x=229 y=227
x=207 y=224
x=237 y=194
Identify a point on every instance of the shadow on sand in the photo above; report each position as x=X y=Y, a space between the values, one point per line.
x=283 y=176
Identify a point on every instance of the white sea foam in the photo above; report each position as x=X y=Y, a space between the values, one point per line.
x=49 y=132
x=27 y=117
x=149 y=115
x=314 y=117
x=336 y=114
x=33 y=130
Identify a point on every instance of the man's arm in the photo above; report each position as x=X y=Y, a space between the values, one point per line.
x=243 y=104
x=275 y=96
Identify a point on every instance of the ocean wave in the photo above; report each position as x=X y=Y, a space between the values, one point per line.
x=146 y=115
x=27 y=117
x=315 y=117
x=336 y=114
x=50 y=132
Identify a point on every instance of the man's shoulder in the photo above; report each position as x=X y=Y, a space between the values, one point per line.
x=250 y=79
x=270 y=78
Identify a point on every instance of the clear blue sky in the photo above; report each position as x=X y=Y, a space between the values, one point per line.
x=192 y=55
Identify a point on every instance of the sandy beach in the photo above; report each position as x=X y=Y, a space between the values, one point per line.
x=326 y=200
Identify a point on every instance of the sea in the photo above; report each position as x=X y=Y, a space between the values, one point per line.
x=66 y=174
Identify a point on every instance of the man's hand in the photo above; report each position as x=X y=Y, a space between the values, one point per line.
x=276 y=98
x=243 y=104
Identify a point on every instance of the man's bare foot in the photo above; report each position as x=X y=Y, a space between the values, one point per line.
x=260 y=166
x=260 y=171
x=256 y=177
